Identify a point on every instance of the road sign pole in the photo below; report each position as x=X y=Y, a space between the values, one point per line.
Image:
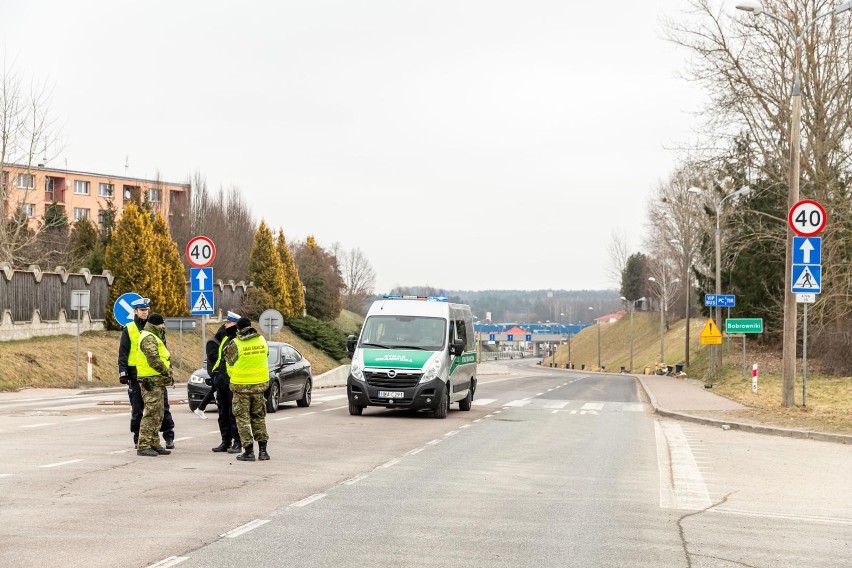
x=745 y=377
x=805 y=358
x=204 y=338
x=77 y=373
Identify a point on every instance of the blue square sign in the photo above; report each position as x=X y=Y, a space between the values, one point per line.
x=807 y=279
x=807 y=250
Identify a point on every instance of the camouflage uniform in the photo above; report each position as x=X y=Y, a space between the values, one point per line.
x=152 y=389
x=249 y=405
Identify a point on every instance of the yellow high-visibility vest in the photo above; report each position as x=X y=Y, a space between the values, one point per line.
x=134 y=357
x=143 y=369
x=250 y=367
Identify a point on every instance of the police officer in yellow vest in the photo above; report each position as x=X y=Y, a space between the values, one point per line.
x=245 y=358
x=154 y=374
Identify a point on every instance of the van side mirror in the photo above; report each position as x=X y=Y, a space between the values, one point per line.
x=351 y=340
x=457 y=347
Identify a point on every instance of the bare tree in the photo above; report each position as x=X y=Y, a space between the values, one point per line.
x=25 y=126
x=359 y=278
x=618 y=255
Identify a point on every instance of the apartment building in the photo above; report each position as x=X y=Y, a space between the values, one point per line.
x=85 y=195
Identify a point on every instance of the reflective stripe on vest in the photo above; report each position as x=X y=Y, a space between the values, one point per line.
x=250 y=367
x=143 y=369
x=134 y=357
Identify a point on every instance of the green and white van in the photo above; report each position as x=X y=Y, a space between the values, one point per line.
x=414 y=352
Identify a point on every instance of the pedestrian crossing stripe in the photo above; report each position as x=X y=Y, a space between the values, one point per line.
x=807 y=279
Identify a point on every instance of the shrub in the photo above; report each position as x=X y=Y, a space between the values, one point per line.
x=321 y=335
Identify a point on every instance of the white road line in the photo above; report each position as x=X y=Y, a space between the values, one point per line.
x=356 y=479
x=483 y=401
x=463 y=426
x=251 y=525
x=214 y=432
x=6 y=474
x=451 y=433
x=592 y=406
x=477 y=420
x=681 y=486
x=805 y=518
x=39 y=425
x=433 y=442
x=305 y=414
x=170 y=561
x=309 y=500
x=335 y=408
x=391 y=463
x=517 y=403
x=415 y=452
x=57 y=464
x=539 y=394
x=557 y=404
x=565 y=384
x=497 y=411
x=282 y=418
x=334 y=397
x=549 y=390
x=122 y=451
x=84 y=419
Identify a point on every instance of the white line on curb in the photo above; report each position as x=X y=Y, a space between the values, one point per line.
x=309 y=500
x=251 y=525
x=60 y=463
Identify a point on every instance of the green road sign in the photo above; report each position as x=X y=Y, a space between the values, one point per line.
x=744 y=325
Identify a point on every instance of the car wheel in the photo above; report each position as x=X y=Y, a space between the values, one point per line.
x=465 y=403
x=192 y=406
x=355 y=409
x=274 y=396
x=305 y=401
x=444 y=403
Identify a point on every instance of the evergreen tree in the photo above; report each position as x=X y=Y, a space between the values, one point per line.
x=633 y=277
x=291 y=274
x=266 y=270
x=130 y=257
x=321 y=278
x=84 y=242
x=169 y=272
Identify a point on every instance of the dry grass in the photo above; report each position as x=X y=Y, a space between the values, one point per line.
x=50 y=361
x=829 y=399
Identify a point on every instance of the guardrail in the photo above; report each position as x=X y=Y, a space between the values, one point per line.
x=498 y=355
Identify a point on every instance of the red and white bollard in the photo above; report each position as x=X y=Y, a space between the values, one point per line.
x=89 y=365
x=754 y=378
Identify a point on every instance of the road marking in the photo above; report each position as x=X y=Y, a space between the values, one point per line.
x=483 y=401
x=557 y=404
x=415 y=451
x=517 y=403
x=805 y=518
x=433 y=442
x=463 y=426
x=251 y=525
x=84 y=419
x=39 y=425
x=6 y=474
x=451 y=433
x=391 y=463
x=335 y=408
x=541 y=393
x=682 y=485
x=214 y=432
x=334 y=397
x=549 y=390
x=477 y=420
x=305 y=414
x=309 y=500
x=279 y=419
x=593 y=406
x=498 y=411
x=356 y=479
x=170 y=561
x=57 y=464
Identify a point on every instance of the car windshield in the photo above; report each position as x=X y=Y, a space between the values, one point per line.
x=404 y=332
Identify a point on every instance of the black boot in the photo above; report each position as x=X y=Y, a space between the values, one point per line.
x=248 y=454
x=236 y=448
x=261 y=454
x=223 y=447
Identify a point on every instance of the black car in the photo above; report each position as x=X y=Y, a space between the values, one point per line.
x=289 y=379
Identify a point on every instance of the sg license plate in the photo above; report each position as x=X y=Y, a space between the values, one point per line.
x=391 y=394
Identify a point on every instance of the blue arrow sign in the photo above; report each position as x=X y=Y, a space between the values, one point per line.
x=201 y=279
x=807 y=279
x=807 y=250
x=201 y=303
x=122 y=310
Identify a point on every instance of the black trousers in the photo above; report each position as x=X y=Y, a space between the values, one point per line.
x=227 y=421
x=137 y=407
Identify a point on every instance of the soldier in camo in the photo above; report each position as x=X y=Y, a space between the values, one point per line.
x=245 y=358
x=155 y=375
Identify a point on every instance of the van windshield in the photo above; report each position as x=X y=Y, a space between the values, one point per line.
x=404 y=332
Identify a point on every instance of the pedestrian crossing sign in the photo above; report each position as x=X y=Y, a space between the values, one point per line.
x=807 y=279
x=202 y=303
x=711 y=335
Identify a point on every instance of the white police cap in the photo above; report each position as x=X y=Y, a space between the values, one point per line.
x=232 y=317
x=141 y=304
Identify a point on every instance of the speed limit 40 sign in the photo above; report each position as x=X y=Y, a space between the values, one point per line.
x=200 y=252
x=807 y=218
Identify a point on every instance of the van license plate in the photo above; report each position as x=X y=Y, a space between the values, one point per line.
x=391 y=394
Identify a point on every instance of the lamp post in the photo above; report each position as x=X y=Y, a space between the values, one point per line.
x=598 y=325
x=632 y=309
x=664 y=300
x=788 y=362
x=687 y=295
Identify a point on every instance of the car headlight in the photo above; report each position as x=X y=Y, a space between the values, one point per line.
x=196 y=380
x=433 y=370
x=356 y=369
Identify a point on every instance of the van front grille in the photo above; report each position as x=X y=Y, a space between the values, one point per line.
x=401 y=379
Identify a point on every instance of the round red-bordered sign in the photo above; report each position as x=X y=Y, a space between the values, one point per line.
x=807 y=218
x=200 y=252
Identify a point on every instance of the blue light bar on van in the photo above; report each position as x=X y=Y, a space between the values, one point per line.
x=427 y=298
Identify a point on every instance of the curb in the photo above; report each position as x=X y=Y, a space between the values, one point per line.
x=757 y=429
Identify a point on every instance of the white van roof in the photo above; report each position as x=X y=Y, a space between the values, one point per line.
x=415 y=306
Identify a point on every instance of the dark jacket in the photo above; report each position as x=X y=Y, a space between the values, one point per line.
x=220 y=375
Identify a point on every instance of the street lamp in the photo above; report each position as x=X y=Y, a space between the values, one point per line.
x=788 y=363
x=598 y=325
x=664 y=287
x=632 y=309
x=687 y=294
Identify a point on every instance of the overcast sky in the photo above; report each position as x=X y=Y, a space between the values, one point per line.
x=461 y=144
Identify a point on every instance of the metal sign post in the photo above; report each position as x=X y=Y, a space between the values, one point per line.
x=79 y=302
x=805 y=358
x=179 y=324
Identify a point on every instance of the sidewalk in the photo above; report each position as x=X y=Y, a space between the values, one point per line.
x=686 y=399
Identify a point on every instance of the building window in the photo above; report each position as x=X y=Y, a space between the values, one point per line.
x=154 y=195
x=80 y=213
x=102 y=216
x=26 y=181
x=28 y=209
x=105 y=189
x=81 y=187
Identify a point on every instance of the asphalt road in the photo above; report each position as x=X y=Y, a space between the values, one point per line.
x=549 y=468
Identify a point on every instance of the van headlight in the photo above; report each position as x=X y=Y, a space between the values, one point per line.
x=196 y=380
x=433 y=370
x=356 y=368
